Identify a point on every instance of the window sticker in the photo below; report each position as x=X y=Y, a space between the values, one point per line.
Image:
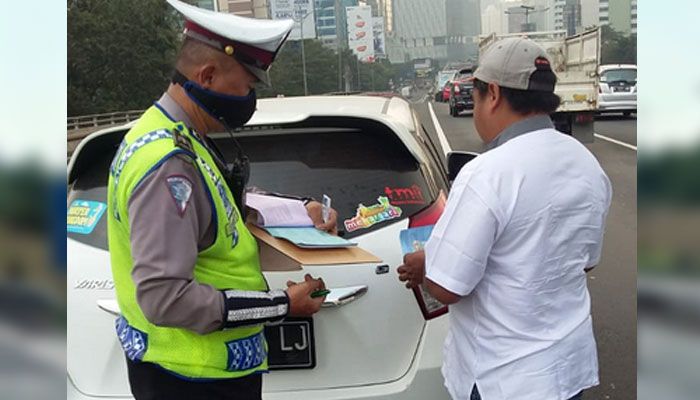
x=374 y=214
x=409 y=195
x=84 y=215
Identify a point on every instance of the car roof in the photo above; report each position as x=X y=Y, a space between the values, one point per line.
x=608 y=67
x=394 y=112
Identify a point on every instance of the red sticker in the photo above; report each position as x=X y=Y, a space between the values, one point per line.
x=410 y=195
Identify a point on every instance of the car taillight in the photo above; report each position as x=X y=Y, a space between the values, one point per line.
x=456 y=88
x=584 y=118
x=430 y=215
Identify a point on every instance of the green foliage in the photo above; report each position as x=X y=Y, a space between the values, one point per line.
x=322 y=73
x=671 y=178
x=618 y=48
x=120 y=53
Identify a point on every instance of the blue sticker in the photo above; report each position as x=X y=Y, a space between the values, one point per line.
x=84 y=215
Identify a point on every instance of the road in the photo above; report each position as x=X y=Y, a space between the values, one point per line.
x=613 y=284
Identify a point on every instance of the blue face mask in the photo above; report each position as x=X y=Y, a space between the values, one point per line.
x=232 y=111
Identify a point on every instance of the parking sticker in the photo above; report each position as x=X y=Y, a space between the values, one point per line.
x=374 y=214
x=407 y=195
x=83 y=216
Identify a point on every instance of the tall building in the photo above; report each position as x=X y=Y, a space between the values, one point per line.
x=509 y=16
x=326 y=22
x=590 y=10
x=463 y=18
x=418 y=30
x=261 y=9
x=243 y=8
x=567 y=16
x=620 y=15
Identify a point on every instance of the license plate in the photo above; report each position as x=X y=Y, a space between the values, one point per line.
x=291 y=344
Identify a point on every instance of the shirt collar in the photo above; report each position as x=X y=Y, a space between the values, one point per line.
x=173 y=110
x=536 y=123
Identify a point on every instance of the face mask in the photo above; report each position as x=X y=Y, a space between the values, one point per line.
x=233 y=111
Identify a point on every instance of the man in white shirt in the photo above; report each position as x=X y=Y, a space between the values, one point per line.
x=523 y=224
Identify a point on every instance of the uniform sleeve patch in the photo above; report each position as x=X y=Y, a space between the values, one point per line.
x=180 y=190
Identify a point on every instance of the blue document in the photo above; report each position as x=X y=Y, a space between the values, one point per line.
x=413 y=239
x=309 y=237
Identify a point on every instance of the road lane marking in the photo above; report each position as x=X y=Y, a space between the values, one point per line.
x=611 y=140
x=441 y=135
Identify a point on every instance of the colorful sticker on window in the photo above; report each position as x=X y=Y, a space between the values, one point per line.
x=409 y=195
x=84 y=215
x=374 y=214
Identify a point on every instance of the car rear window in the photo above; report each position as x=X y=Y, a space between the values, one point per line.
x=371 y=177
x=614 y=75
x=360 y=169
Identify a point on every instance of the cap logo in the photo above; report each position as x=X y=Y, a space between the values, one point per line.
x=542 y=64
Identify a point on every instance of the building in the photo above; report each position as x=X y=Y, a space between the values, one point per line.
x=208 y=4
x=590 y=10
x=567 y=16
x=418 y=30
x=326 y=22
x=463 y=23
x=620 y=15
x=243 y=8
x=510 y=16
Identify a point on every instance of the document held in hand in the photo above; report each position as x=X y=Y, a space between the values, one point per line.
x=288 y=219
x=412 y=240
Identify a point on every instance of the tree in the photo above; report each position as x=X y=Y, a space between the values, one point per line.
x=322 y=72
x=618 y=48
x=120 y=53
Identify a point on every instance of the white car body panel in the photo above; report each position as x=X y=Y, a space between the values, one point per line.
x=378 y=346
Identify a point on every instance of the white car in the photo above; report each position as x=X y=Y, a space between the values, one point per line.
x=617 y=89
x=357 y=150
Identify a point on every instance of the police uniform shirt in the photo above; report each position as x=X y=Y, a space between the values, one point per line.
x=165 y=241
x=522 y=222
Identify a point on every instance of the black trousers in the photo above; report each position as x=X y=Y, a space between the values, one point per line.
x=150 y=382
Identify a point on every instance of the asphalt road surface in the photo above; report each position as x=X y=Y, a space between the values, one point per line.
x=613 y=284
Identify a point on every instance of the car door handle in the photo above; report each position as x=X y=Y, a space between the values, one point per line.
x=342 y=296
x=110 y=306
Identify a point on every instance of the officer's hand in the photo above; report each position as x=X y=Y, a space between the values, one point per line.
x=315 y=211
x=412 y=271
x=301 y=304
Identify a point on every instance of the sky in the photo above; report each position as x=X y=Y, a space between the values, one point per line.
x=33 y=81
x=669 y=75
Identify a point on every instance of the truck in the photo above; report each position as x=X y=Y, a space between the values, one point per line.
x=575 y=60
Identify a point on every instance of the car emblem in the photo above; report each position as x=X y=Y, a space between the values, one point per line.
x=94 y=284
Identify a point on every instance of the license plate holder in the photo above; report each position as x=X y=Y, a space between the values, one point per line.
x=291 y=344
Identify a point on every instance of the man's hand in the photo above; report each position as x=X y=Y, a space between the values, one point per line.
x=412 y=271
x=301 y=304
x=315 y=211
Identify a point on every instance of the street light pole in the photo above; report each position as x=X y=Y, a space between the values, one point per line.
x=303 y=53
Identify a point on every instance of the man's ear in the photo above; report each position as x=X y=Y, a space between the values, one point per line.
x=494 y=96
x=204 y=75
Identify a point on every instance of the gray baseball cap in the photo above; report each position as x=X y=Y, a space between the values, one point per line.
x=516 y=63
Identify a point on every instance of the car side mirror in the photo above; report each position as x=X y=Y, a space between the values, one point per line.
x=456 y=160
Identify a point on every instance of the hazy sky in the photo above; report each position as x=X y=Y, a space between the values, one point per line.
x=669 y=74
x=33 y=81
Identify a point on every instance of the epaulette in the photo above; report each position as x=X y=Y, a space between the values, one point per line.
x=181 y=140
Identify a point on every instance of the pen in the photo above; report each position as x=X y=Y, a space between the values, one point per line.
x=326 y=208
x=319 y=293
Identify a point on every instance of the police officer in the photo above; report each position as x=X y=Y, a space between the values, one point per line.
x=186 y=270
x=523 y=224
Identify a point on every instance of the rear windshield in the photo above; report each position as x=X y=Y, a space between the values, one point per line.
x=364 y=171
x=616 y=75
